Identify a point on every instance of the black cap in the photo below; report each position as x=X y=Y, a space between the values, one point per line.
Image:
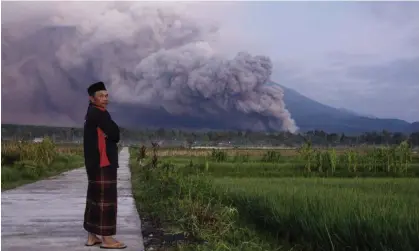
x=99 y=86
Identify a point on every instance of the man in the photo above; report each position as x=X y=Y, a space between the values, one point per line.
x=101 y=135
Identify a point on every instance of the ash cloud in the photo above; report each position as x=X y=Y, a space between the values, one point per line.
x=160 y=60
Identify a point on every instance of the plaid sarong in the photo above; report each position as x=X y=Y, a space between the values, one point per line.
x=101 y=201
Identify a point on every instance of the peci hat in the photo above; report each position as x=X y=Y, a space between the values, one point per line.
x=99 y=86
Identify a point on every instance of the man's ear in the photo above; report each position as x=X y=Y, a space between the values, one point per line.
x=92 y=99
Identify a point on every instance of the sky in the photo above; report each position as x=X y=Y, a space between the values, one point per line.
x=361 y=56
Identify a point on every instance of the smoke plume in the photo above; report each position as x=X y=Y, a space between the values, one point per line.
x=163 y=64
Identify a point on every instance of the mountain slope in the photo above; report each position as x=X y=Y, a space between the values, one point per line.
x=312 y=115
x=414 y=127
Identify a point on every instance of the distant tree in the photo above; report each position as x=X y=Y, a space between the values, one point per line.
x=154 y=160
x=414 y=139
x=189 y=142
x=161 y=133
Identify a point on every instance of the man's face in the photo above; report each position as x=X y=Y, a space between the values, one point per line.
x=100 y=99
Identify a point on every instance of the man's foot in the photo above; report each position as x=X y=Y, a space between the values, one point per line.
x=111 y=243
x=92 y=240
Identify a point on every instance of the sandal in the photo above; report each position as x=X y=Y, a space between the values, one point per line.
x=93 y=244
x=117 y=245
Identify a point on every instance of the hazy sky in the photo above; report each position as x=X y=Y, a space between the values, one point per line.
x=357 y=55
x=362 y=56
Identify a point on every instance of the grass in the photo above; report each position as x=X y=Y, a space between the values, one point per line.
x=283 y=168
x=330 y=214
x=26 y=172
x=254 y=154
x=262 y=205
x=185 y=204
x=24 y=163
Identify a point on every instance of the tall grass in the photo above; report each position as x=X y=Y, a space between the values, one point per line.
x=390 y=159
x=330 y=214
x=236 y=203
x=185 y=203
x=26 y=162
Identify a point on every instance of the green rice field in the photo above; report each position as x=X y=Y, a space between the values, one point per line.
x=274 y=202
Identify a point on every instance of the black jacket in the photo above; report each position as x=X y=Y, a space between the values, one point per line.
x=101 y=135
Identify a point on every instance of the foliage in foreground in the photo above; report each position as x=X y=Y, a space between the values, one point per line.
x=26 y=162
x=302 y=213
x=187 y=203
x=330 y=213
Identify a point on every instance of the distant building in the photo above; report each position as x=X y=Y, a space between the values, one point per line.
x=38 y=140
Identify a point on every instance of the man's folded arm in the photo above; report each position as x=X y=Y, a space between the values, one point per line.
x=107 y=125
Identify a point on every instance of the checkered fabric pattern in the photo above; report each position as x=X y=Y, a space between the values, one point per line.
x=101 y=201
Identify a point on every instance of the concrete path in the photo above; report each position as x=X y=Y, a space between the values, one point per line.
x=48 y=215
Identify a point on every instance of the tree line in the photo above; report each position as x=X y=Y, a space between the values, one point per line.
x=187 y=137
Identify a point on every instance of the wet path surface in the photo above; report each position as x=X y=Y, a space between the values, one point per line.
x=48 y=215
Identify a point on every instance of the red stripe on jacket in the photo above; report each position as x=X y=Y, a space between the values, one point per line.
x=104 y=161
